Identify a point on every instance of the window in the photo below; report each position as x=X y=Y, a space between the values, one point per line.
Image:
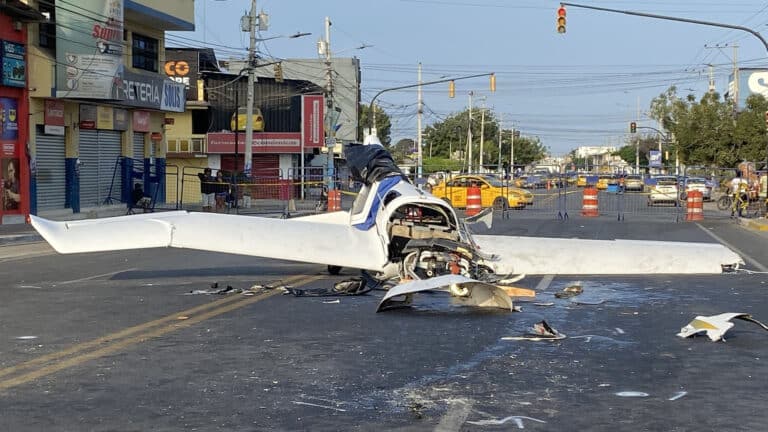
x=47 y=29
x=144 y=53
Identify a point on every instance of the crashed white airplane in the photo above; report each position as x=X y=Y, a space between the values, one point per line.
x=394 y=231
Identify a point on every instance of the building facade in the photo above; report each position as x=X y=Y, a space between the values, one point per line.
x=99 y=96
x=14 y=111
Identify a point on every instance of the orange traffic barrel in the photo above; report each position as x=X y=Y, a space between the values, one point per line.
x=474 y=203
x=334 y=200
x=695 y=204
x=589 y=203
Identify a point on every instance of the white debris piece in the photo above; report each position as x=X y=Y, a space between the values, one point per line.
x=715 y=326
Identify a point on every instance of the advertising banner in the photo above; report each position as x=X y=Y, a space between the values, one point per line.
x=654 y=159
x=263 y=142
x=183 y=67
x=13 y=64
x=53 y=118
x=89 y=49
x=105 y=118
x=312 y=120
x=9 y=119
x=141 y=121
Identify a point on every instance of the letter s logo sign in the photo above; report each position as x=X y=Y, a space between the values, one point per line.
x=758 y=83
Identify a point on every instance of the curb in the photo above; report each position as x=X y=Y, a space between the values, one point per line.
x=753 y=224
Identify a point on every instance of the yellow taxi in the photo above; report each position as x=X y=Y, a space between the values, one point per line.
x=581 y=180
x=603 y=180
x=240 y=118
x=493 y=192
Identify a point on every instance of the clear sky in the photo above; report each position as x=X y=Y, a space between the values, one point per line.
x=580 y=88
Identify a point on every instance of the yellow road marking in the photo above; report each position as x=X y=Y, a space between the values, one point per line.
x=114 y=344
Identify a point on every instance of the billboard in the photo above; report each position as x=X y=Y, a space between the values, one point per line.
x=749 y=82
x=13 y=65
x=89 y=49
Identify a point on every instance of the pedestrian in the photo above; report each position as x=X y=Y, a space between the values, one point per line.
x=207 y=192
x=221 y=190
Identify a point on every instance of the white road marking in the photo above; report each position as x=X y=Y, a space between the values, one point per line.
x=94 y=276
x=544 y=283
x=746 y=257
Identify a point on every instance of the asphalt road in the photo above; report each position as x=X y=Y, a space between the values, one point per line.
x=116 y=342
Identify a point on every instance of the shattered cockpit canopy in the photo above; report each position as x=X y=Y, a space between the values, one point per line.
x=369 y=163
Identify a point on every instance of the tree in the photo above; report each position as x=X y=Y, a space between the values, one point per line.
x=404 y=148
x=383 y=124
x=646 y=144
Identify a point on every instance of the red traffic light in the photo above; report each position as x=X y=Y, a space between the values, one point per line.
x=561 y=19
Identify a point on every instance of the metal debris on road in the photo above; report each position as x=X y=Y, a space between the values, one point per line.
x=678 y=395
x=632 y=394
x=337 y=301
x=715 y=326
x=350 y=287
x=541 y=331
x=26 y=337
x=570 y=291
x=544 y=304
x=518 y=420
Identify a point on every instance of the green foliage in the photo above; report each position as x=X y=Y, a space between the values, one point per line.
x=708 y=132
x=383 y=124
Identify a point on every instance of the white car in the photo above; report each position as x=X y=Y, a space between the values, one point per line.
x=664 y=191
x=700 y=184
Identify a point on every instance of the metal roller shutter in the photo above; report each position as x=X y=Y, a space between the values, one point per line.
x=51 y=171
x=138 y=146
x=99 y=170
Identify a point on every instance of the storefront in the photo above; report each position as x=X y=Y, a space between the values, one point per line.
x=14 y=114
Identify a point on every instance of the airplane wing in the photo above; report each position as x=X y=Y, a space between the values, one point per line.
x=464 y=291
x=540 y=255
x=330 y=240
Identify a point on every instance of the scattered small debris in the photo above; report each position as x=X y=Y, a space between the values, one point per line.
x=350 y=287
x=517 y=292
x=715 y=326
x=337 y=301
x=544 y=304
x=26 y=337
x=587 y=302
x=570 y=291
x=495 y=422
x=541 y=331
x=632 y=394
x=678 y=395
x=182 y=318
x=619 y=330
x=319 y=406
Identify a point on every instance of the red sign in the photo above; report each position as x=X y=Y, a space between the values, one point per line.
x=312 y=111
x=141 y=121
x=53 y=118
x=87 y=124
x=263 y=142
x=156 y=136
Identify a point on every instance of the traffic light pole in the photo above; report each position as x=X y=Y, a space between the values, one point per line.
x=671 y=18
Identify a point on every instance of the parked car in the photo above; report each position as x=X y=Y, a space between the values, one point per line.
x=663 y=191
x=239 y=119
x=700 y=184
x=634 y=182
x=493 y=192
x=603 y=180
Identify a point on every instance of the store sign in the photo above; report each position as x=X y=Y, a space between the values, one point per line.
x=121 y=119
x=9 y=119
x=151 y=91
x=88 y=116
x=263 y=142
x=13 y=65
x=312 y=120
x=183 y=67
x=654 y=159
x=89 y=49
x=105 y=118
x=141 y=121
x=156 y=136
x=53 y=118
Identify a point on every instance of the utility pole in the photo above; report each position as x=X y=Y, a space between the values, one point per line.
x=637 y=142
x=419 y=110
x=469 y=136
x=331 y=139
x=501 y=117
x=482 y=135
x=512 y=154
x=735 y=79
x=248 y=153
x=711 y=78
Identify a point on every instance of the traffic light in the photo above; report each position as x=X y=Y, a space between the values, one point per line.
x=278 y=72
x=493 y=82
x=633 y=127
x=561 y=19
x=451 y=89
